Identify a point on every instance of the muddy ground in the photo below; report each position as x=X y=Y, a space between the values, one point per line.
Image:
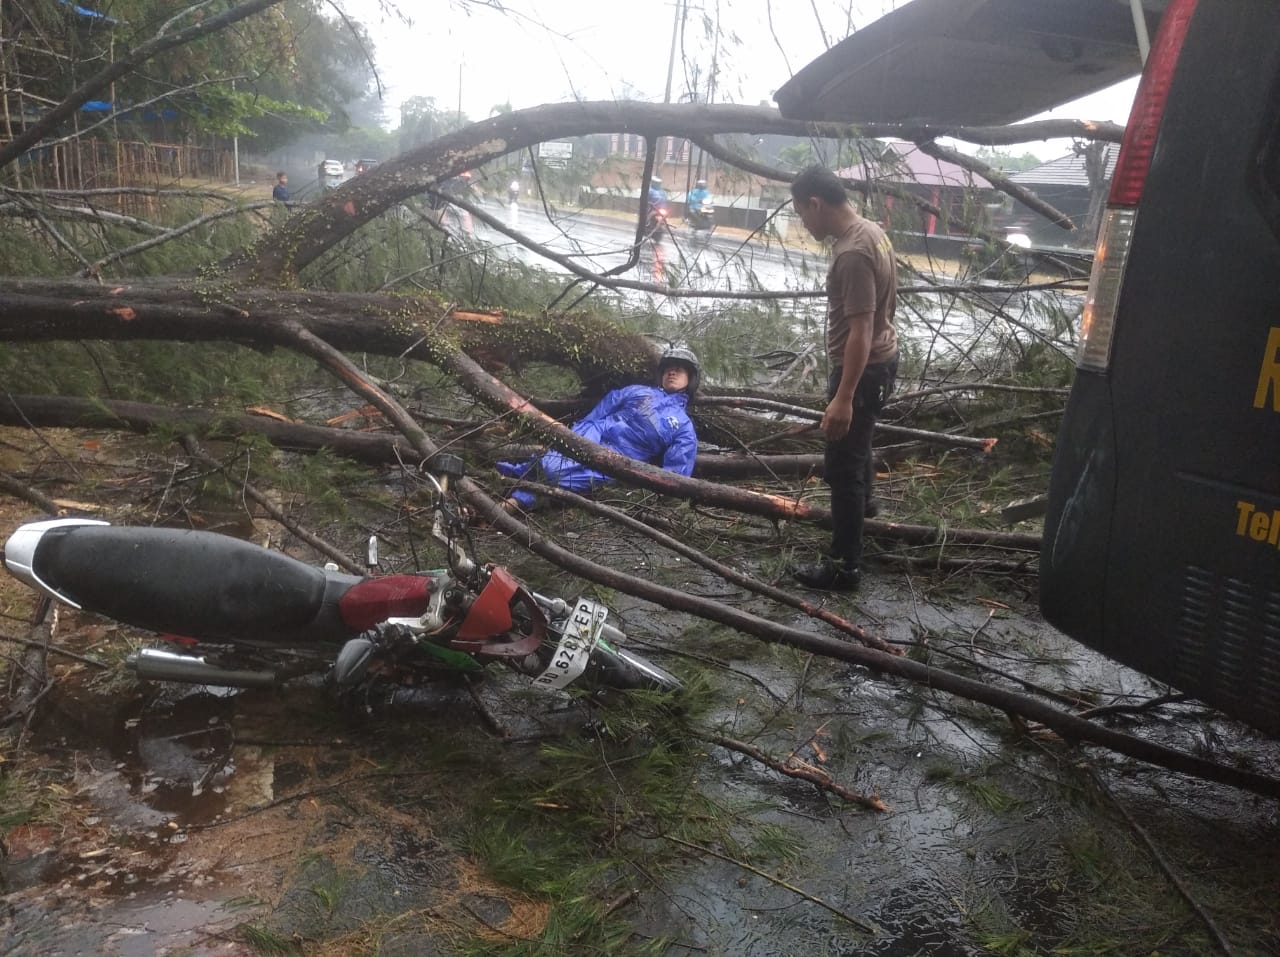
x=491 y=819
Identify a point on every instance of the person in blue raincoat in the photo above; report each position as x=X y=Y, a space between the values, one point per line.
x=644 y=422
x=657 y=195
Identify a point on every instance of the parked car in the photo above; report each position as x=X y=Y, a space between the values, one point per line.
x=364 y=165
x=331 y=168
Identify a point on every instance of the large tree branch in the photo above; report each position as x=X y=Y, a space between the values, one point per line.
x=1000 y=182
x=82 y=214
x=301 y=239
x=500 y=397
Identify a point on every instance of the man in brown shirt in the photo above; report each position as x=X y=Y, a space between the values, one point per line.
x=862 y=349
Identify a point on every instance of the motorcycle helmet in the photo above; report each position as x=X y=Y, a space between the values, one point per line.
x=656 y=181
x=684 y=357
x=701 y=184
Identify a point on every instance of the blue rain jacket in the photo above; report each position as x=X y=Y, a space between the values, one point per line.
x=640 y=421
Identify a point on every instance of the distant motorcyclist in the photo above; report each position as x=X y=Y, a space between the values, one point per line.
x=659 y=210
x=657 y=195
x=698 y=208
x=513 y=191
x=699 y=195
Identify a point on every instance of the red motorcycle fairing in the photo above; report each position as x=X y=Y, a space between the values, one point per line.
x=182 y=640
x=490 y=615
x=374 y=600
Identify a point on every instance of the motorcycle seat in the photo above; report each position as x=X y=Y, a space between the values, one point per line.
x=178 y=580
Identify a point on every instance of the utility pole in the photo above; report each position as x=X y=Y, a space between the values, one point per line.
x=671 y=60
x=1140 y=28
x=235 y=141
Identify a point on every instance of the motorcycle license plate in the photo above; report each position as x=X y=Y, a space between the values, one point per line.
x=581 y=632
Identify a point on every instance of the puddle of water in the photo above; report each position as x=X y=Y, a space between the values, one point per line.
x=177 y=755
x=48 y=924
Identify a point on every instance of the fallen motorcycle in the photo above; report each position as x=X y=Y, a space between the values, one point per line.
x=235 y=614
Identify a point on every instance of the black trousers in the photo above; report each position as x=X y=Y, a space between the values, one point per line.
x=847 y=463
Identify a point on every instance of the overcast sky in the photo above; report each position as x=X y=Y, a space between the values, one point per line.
x=545 y=51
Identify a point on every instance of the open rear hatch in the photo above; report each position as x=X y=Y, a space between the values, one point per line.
x=971 y=62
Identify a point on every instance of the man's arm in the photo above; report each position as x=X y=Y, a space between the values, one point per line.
x=682 y=453
x=839 y=415
x=857 y=291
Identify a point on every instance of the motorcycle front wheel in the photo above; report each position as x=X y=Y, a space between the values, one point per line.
x=618 y=668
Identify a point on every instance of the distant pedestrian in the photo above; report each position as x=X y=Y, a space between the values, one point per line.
x=281 y=193
x=862 y=351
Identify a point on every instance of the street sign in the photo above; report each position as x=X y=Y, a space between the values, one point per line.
x=555 y=153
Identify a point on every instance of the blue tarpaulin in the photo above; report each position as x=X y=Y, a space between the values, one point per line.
x=150 y=116
x=88 y=13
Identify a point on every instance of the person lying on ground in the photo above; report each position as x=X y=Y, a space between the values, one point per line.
x=644 y=422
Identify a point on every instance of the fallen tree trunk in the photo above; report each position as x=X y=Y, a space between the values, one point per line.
x=385 y=448
x=377 y=448
x=36 y=310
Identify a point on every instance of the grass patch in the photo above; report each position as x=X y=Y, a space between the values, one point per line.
x=592 y=812
x=268 y=943
x=26 y=798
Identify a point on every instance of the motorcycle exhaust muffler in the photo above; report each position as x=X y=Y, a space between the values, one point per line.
x=152 y=664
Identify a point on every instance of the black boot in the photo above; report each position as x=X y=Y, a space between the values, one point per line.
x=871 y=509
x=828 y=575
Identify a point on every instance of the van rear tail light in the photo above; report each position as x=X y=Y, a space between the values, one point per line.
x=1111 y=254
x=1109 y=259
x=1148 y=105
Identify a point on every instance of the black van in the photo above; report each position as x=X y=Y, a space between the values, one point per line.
x=1162 y=539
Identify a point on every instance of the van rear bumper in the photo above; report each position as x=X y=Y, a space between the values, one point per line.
x=1074 y=550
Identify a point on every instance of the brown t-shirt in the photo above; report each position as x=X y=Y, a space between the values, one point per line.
x=862 y=279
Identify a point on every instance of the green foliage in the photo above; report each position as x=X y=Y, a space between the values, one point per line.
x=422 y=120
x=26 y=798
x=235 y=113
x=267 y=942
x=291 y=67
x=33 y=253
x=1005 y=161
x=214 y=375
